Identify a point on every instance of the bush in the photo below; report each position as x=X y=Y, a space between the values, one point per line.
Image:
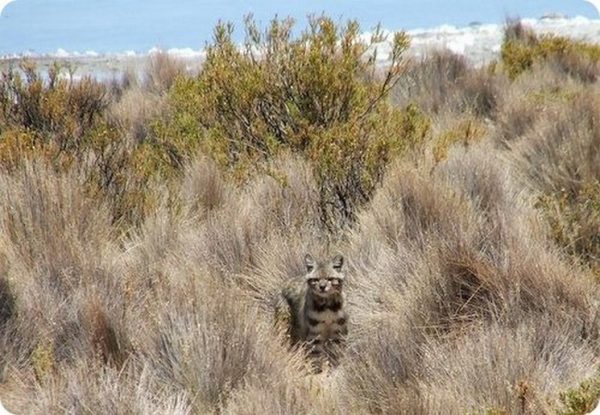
x=72 y=126
x=57 y=113
x=574 y=221
x=522 y=48
x=561 y=160
x=317 y=94
x=583 y=399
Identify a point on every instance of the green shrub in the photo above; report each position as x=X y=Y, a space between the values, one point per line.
x=583 y=399
x=58 y=120
x=42 y=361
x=67 y=124
x=318 y=94
x=574 y=221
x=57 y=110
x=521 y=48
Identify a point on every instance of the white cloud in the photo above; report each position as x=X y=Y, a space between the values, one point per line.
x=3 y=4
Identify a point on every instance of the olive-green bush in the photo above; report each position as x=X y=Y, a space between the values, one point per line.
x=320 y=94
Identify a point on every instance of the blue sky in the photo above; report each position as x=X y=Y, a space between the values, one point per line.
x=117 y=25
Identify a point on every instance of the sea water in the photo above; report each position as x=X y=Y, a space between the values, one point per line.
x=92 y=27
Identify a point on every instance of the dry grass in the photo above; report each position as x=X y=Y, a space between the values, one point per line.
x=458 y=280
x=560 y=161
x=140 y=98
x=135 y=110
x=444 y=82
x=537 y=94
x=470 y=276
x=453 y=288
x=161 y=71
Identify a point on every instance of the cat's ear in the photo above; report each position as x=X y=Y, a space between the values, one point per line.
x=337 y=262
x=310 y=263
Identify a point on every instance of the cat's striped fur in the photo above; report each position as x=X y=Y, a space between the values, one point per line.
x=315 y=302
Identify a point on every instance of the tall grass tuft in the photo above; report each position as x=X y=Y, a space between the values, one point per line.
x=147 y=228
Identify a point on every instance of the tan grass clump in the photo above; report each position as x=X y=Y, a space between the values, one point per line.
x=143 y=248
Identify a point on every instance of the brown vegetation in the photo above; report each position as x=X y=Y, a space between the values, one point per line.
x=147 y=227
